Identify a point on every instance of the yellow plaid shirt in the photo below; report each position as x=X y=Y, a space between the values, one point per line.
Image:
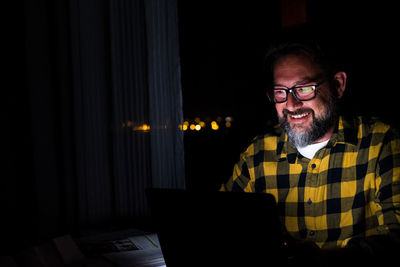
x=351 y=188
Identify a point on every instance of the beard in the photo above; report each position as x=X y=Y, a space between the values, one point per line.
x=300 y=136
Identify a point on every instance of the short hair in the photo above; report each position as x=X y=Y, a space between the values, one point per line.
x=303 y=42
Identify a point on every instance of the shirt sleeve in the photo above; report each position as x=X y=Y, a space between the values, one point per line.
x=388 y=183
x=240 y=181
x=387 y=201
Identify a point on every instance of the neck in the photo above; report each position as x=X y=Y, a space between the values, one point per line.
x=327 y=136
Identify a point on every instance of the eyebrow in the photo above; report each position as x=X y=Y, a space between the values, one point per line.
x=305 y=80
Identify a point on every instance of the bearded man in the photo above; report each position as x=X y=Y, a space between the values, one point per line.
x=336 y=180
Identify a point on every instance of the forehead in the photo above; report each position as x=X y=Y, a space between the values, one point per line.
x=295 y=68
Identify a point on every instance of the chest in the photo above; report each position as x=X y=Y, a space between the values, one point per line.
x=330 y=175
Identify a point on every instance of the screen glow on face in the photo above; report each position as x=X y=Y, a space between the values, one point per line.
x=302 y=93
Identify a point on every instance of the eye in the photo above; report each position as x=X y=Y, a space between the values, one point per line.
x=306 y=89
x=279 y=92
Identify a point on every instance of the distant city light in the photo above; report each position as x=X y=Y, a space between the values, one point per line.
x=214 y=125
x=228 y=119
x=143 y=127
x=198 y=123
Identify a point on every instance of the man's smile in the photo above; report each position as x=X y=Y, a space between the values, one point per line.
x=297 y=117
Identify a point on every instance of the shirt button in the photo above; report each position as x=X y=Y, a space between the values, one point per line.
x=313 y=166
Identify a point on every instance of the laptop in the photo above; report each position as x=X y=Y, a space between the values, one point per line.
x=216 y=228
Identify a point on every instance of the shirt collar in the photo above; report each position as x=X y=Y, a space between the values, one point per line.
x=345 y=132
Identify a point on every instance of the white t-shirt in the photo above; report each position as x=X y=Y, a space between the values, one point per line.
x=310 y=150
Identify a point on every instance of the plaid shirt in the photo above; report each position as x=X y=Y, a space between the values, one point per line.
x=349 y=189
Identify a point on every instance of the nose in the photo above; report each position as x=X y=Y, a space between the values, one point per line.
x=292 y=103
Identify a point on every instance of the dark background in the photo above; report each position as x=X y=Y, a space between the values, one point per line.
x=222 y=51
x=222 y=46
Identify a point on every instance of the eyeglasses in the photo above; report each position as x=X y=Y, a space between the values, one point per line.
x=301 y=93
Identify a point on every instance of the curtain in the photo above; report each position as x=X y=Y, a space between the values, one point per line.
x=165 y=94
x=148 y=143
x=105 y=111
x=91 y=106
x=129 y=104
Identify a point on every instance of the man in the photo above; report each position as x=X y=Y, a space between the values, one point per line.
x=336 y=180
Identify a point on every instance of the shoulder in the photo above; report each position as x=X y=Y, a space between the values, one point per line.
x=375 y=130
x=268 y=142
x=375 y=126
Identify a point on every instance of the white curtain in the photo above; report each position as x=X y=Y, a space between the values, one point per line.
x=104 y=106
x=129 y=102
x=147 y=101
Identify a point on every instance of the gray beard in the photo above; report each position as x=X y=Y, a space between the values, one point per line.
x=318 y=128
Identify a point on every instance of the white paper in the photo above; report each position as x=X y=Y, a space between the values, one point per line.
x=147 y=254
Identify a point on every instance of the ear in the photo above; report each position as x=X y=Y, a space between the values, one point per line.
x=340 y=79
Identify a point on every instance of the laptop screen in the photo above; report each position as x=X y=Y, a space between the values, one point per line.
x=207 y=228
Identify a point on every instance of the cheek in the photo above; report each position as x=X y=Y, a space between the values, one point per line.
x=279 y=109
x=319 y=108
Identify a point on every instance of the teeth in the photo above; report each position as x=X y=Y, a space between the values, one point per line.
x=299 y=115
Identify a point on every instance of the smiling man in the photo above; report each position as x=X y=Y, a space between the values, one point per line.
x=306 y=118
x=336 y=179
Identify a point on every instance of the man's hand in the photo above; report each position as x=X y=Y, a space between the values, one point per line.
x=299 y=250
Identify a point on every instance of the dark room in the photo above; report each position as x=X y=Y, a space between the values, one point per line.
x=125 y=120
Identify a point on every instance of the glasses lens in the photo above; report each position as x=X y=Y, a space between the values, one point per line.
x=305 y=92
x=280 y=95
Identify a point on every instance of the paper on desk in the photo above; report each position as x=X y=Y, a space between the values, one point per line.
x=148 y=252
